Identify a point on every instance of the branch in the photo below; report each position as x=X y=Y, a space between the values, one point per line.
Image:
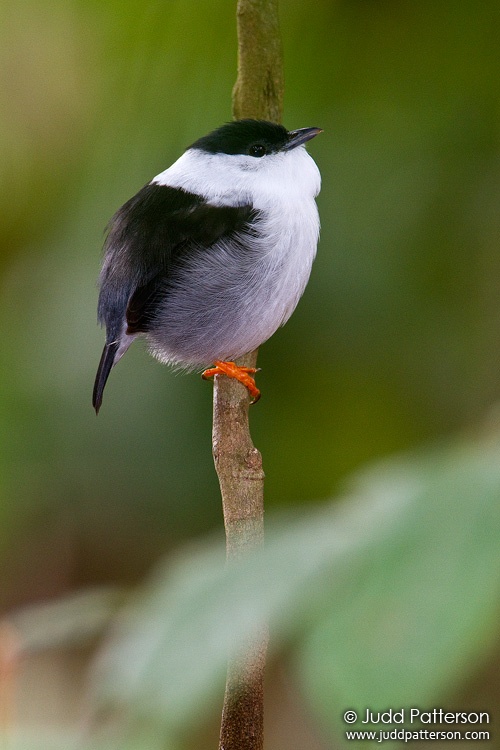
x=260 y=85
x=258 y=93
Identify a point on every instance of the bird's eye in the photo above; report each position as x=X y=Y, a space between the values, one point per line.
x=257 y=150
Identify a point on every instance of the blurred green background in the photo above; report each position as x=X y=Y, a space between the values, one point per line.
x=395 y=345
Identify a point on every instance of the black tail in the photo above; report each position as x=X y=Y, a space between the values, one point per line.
x=105 y=365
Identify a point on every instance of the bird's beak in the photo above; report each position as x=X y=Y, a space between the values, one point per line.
x=298 y=137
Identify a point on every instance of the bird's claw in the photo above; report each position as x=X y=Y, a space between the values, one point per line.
x=242 y=374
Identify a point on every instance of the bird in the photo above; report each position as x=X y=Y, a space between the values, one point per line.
x=212 y=255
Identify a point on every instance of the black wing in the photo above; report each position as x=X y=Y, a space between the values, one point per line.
x=146 y=237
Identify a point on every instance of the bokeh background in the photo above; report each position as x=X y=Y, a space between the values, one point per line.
x=393 y=350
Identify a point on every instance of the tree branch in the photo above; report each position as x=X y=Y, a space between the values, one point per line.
x=258 y=93
x=260 y=85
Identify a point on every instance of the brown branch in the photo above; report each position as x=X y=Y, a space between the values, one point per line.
x=239 y=467
x=259 y=88
x=258 y=93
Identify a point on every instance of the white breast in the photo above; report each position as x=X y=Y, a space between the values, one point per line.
x=247 y=293
x=288 y=248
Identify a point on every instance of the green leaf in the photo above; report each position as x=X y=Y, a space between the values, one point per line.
x=68 y=621
x=166 y=660
x=388 y=596
x=424 y=610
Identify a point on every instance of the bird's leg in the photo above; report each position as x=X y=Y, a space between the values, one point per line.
x=232 y=370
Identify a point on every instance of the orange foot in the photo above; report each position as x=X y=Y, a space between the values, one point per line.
x=243 y=374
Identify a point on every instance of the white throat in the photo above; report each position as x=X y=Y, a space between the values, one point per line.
x=233 y=180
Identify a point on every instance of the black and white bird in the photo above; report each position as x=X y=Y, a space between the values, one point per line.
x=212 y=255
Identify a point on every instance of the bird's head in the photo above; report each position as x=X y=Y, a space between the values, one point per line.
x=247 y=160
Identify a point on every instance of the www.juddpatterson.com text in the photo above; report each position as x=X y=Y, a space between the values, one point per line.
x=406 y=735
